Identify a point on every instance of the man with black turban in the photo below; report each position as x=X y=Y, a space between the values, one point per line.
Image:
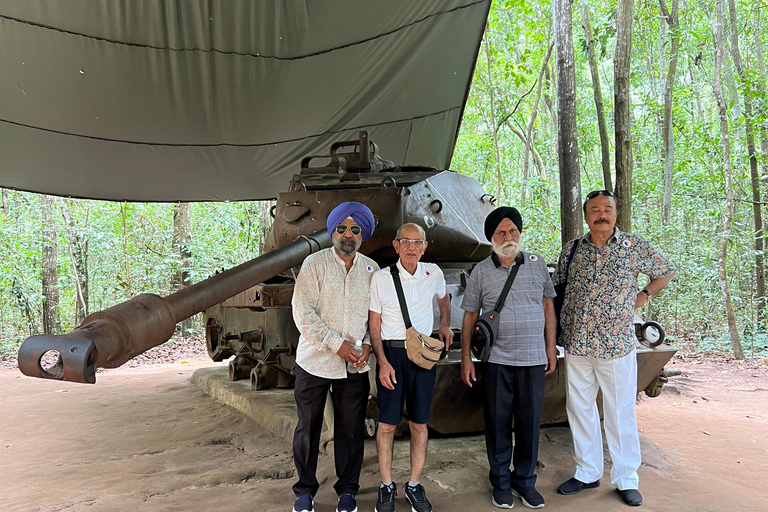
x=330 y=308
x=523 y=353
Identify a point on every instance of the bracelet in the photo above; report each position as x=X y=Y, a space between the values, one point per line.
x=466 y=357
x=647 y=293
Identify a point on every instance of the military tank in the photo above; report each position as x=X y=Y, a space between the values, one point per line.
x=247 y=309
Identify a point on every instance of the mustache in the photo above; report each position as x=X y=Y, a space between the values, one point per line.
x=602 y=221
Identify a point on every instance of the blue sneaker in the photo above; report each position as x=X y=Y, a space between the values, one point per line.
x=347 y=503
x=303 y=504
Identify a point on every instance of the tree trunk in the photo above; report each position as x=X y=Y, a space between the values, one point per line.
x=763 y=130
x=738 y=352
x=669 y=139
x=597 y=92
x=536 y=155
x=567 y=142
x=529 y=135
x=6 y=208
x=754 y=175
x=78 y=254
x=51 y=323
x=182 y=238
x=621 y=70
x=126 y=282
x=494 y=126
x=548 y=100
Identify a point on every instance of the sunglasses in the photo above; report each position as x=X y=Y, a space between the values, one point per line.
x=342 y=228
x=595 y=193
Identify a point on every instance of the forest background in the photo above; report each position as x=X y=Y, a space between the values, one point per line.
x=697 y=177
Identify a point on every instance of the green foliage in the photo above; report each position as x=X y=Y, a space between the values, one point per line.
x=692 y=304
x=130 y=245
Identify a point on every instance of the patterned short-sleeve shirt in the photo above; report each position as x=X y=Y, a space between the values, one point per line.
x=599 y=302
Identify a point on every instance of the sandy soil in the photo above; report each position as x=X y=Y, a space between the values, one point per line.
x=146 y=439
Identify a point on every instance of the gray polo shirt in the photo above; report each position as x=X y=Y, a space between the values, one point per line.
x=520 y=339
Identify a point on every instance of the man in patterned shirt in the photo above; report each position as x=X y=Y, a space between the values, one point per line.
x=330 y=308
x=599 y=339
x=522 y=354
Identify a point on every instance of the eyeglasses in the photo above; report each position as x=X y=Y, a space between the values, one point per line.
x=408 y=241
x=342 y=228
x=595 y=193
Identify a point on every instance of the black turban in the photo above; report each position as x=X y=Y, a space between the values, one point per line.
x=494 y=218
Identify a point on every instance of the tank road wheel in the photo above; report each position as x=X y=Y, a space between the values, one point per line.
x=263 y=377
x=371 y=425
x=239 y=368
x=654 y=388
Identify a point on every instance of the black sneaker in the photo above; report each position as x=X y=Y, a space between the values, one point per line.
x=502 y=498
x=386 y=501
x=529 y=495
x=417 y=498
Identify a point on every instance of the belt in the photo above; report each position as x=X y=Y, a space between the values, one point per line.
x=394 y=343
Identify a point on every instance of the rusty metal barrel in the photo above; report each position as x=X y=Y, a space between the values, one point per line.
x=109 y=338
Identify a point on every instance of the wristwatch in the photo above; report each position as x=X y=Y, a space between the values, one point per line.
x=650 y=296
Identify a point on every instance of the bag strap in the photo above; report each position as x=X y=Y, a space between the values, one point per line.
x=519 y=260
x=400 y=295
x=570 y=259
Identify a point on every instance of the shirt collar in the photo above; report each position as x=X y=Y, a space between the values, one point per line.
x=617 y=233
x=404 y=274
x=519 y=259
x=341 y=261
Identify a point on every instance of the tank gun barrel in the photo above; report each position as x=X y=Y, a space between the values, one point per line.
x=109 y=338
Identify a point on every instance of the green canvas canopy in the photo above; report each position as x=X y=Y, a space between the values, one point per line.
x=194 y=100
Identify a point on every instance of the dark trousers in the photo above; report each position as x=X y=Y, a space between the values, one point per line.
x=512 y=393
x=350 y=399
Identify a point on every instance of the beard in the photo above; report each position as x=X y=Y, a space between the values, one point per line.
x=507 y=250
x=346 y=246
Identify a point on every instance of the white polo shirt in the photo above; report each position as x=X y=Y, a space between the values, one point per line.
x=419 y=290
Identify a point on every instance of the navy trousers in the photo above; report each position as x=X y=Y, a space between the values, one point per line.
x=350 y=399
x=512 y=393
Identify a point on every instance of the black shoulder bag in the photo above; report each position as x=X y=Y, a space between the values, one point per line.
x=560 y=290
x=487 y=326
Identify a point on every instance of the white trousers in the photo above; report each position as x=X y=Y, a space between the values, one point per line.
x=617 y=378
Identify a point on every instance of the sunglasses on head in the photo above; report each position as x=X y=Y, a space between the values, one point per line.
x=342 y=228
x=595 y=193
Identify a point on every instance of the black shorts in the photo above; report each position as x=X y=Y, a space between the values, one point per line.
x=413 y=389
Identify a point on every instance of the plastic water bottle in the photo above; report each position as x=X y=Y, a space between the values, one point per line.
x=354 y=369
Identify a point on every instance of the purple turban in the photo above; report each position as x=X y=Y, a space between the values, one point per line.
x=359 y=213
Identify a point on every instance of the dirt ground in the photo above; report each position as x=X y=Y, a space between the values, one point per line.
x=146 y=439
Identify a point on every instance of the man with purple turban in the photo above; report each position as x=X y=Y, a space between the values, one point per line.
x=330 y=308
